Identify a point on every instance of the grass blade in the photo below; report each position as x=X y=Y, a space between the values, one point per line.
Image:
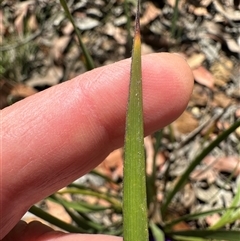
x=53 y=220
x=197 y=161
x=88 y=59
x=194 y=216
x=115 y=203
x=229 y=235
x=157 y=232
x=135 y=226
x=230 y=215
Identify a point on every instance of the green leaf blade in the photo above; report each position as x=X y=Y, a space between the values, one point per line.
x=229 y=235
x=134 y=183
x=89 y=64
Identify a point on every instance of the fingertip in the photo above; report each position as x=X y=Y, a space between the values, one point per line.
x=167 y=87
x=169 y=68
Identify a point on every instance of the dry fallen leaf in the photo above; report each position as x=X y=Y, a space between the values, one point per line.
x=149 y=153
x=231 y=43
x=22 y=90
x=150 y=14
x=68 y=29
x=212 y=219
x=112 y=166
x=172 y=3
x=207 y=174
x=222 y=71
x=11 y=92
x=228 y=12
x=52 y=77
x=32 y=23
x=237 y=113
x=230 y=164
x=116 y=32
x=146 y=49
x=203 y=77
x=22 y=10
x=196 y=60
x=58 y=210
x=199 y=97
x=59 y=46
x=237 y=131
x=198 y=11
x=186 y=123
x=220 y=99
x=160 y=158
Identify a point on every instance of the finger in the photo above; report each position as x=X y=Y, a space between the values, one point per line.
x=36 y=231
x=53 y=137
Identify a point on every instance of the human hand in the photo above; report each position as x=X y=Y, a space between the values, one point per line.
x=54 y=137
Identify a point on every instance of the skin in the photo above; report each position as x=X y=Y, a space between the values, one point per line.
x=52 y=138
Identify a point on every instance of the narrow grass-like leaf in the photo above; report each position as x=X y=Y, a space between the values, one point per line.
x=229 y=235
x=115 y=203
x=194 y=216
x=135 y=224
x=78 y=206
x=157 y=232
x=189 y=238
x=55 y=221
x=195 y=162
x=106 y=178
x=230 y=215
x=88 y=59
x=84 y=223
x=174 y=19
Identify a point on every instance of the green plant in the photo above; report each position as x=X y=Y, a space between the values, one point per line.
x=88 y=59
x=174 y=20
x=135 y=224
